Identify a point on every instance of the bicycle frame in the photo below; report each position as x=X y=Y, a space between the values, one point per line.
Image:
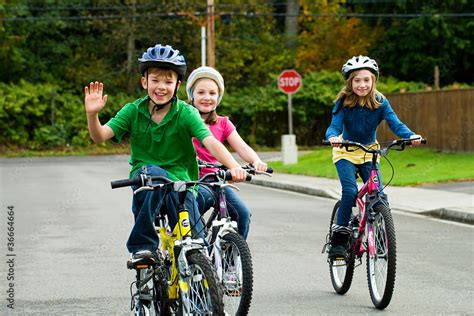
x=371 y=189
x=373 y=232
x=177 y=243
x=220 y=224
x=181 y=266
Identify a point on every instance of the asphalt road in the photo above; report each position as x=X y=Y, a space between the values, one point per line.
x=69 y=249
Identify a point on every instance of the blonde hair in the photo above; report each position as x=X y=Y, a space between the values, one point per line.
x=351 y=99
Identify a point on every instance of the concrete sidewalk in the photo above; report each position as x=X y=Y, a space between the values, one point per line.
x=443 y=204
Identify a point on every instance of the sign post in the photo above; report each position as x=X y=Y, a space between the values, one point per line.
x=289 y=82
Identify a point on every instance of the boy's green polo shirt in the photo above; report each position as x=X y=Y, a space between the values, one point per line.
x=168 y=144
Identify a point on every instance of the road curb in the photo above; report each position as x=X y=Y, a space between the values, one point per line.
x=454 y=215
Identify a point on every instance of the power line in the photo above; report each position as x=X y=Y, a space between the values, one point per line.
x=243 y=14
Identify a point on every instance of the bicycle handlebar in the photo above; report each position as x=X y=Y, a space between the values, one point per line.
x=249 y=168
x=397 y=142
x=226 y=175
x=137 y=181
x=142 y=180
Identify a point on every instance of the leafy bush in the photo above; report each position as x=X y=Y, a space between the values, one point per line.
x=42 y=116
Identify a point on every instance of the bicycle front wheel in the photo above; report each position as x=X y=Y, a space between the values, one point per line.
x=341 y=271
x=199 y=292
x=381 y=268
x=237 y=274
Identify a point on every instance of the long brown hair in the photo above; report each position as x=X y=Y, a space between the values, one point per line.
x=212 y=118
x=351 y=98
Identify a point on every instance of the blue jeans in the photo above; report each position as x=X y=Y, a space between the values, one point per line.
x=145 y=207
x=238 y=211
x=347 y=171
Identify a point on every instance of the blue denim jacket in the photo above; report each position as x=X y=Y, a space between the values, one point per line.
x=359 y=124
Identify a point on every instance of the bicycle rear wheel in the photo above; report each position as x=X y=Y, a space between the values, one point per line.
x=341 y=271
x=237 y=274
x=381 y=269
x=144 y=300
x=199 y=292
x=161 y=304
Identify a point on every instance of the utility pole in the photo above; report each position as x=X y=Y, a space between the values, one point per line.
x=131 y=64
x=211 y=44
x=203 y=46
x=436 y=77
x=291 y=23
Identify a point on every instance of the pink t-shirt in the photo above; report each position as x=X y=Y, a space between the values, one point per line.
x=221 y=130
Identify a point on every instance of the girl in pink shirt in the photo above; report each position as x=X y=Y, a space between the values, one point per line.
x=205 y=89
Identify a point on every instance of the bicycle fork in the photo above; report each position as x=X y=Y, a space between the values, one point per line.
x=371 y=200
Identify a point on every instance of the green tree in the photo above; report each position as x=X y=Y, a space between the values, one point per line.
x=411 y=47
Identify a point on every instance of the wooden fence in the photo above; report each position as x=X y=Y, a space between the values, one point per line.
x=445 y=118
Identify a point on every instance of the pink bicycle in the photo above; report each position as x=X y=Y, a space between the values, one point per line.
x=373 y=232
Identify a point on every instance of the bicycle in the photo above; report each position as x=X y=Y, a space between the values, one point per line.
x=372 y=232
x=229 y=250
x=179 y=278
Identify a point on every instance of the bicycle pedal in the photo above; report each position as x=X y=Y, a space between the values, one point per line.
x=140 y=263
x=233 y=293
x=338 y=262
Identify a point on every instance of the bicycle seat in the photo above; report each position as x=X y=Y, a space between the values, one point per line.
x=142 y=259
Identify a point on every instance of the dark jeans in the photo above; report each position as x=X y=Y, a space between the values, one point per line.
x=145 y=207
x=238 y=211
x=347 y=171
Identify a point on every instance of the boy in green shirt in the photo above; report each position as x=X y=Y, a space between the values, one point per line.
x=161 y=129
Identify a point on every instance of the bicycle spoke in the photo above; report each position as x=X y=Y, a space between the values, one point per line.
x=198 y=297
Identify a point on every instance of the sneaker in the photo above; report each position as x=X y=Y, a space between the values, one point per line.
x=339 y=246
x=142 y=258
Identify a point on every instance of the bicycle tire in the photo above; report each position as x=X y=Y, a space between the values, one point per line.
x=161 y=304
x=381 y=269
x=341 y=275
x=237 y=274
x=203 y=294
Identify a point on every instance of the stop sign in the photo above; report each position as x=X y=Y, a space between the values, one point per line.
x=289 y=81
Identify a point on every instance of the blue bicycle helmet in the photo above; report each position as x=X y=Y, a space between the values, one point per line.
x=163 y=57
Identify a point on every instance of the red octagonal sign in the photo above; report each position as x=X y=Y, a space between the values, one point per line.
x=290 y=81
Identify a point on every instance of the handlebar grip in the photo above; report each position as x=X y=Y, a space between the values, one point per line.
x=407 y=141
x=228 y=176
x=269 y=170
x=326 y=142
x=137 y=181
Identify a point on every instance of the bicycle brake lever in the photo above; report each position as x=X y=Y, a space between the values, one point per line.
x=264 y=173
x=147 y=188
x=230 y=185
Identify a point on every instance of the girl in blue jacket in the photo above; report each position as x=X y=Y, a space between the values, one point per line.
x=358 y=111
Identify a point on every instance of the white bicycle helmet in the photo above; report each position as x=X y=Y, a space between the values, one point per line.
x=163 y=57
x=360 y=62
x=205 y=72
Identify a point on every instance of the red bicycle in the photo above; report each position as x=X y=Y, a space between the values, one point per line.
x=373 y=233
